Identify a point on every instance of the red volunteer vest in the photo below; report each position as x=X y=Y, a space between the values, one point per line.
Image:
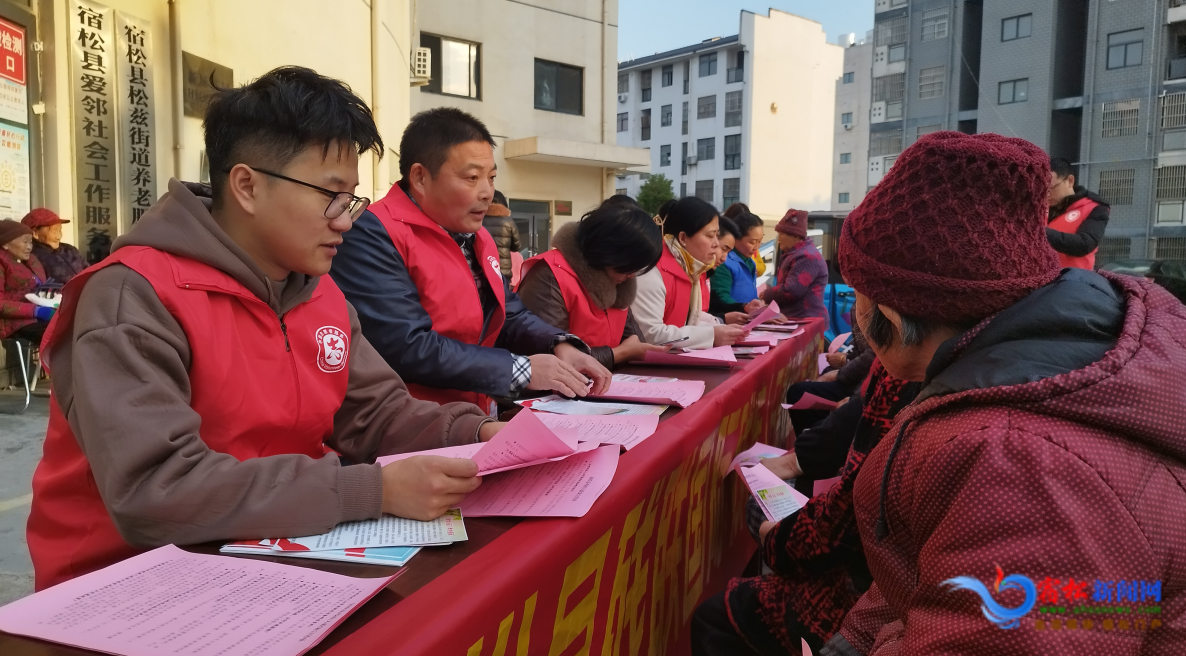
x=262 y=386
x=1069 y=223
x=586 y=319
x=444 y=281
x=678 y=300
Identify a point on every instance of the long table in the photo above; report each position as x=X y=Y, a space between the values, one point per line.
x=667 y=533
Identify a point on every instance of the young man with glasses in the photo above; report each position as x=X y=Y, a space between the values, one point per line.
x=207 y=375
x=425 y=277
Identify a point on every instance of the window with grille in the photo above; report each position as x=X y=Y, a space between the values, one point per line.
x=1173 y=110
x=683 y=189
x=846 y=118
x=668 y=76
x=930 y=82
x=1120 y=118
x=1112 y=249
x=620 y=191
x=683 y=161
x=646 y=85
x=1170 y=248
x=892 y=32
x=665 y=155
x=732 y=109
x=644 y=124
x=687 y=74
x=704 y=190
x=684 y=127
x=708 y=64
x=623 y=82
x=706 y=149
x=1171 y=183
x=665 y=116
x=624 y=122
x=934 y=24
x=706 y=107
x=888 y=142
x=730 y=191
x=559 y=87
x=732 y=152
x=889 y=88
x=926 y=129
x=1116 y=186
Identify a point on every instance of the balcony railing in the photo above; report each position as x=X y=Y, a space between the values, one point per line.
x=1177 y=67
x=738 y=74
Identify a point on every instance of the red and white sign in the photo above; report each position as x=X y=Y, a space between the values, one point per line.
x=333 y=346
x=12 y=52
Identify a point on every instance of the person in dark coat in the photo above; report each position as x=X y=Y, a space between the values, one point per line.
x=1042 y=465
x=799 y=286
x=1077 y=218
x=502 y=228
x=61 y=261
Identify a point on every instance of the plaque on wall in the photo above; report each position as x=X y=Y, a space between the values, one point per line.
x=200 y=79
x=564 y=208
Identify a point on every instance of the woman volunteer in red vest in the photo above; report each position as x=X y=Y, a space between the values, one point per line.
x=589 y=281
x=669 y=303
x=203 y=371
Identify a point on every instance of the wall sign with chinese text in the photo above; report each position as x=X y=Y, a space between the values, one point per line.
x=137 y=190
x=14 y=172
x=93 y=58
x=13 y=90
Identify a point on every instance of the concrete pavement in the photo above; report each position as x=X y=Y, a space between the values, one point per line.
x=21 y=437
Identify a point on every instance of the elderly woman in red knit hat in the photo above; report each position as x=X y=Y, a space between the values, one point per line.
x=20 y=274
x=802 y=275
x=1042 y=464
x=61 y=261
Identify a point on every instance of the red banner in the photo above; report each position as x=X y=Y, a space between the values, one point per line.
x=12 y=52
x=625 y=578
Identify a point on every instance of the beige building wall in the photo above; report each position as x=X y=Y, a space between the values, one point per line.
x=790 y=104
x=336 y=38
x=511 y=36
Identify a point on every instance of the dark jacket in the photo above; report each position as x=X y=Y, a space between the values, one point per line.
x=1048 y=442
x=799 y=286
x=541 y=293
x=502 y=227
x=371 y=273
x=860 y=360
x=61 y=263
x=1091 y=230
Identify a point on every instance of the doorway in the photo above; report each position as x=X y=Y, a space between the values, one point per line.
x=534 y=220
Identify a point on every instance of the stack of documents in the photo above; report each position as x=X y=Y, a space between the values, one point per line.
x=388 y=540
x=169 y=601
x=720 y=356
x=557 y=404
x=530 y=470
x=666 y=391
x=774 y=496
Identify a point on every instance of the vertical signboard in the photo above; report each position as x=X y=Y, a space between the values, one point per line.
x=136 y=124
x=14 y=118
x=93 y=58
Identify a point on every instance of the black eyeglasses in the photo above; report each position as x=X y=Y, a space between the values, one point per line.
x=340 y=201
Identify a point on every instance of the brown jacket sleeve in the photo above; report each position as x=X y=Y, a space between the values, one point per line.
x=123 y=384
x=540 y=292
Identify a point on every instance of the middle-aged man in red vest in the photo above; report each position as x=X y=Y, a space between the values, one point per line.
x=1077 y=218
x=204 y=371
x=425 y=277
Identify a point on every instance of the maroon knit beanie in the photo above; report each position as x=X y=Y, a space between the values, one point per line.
x=793 y=223
x=956 y=231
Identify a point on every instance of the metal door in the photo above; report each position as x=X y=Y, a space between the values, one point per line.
x=534 y=220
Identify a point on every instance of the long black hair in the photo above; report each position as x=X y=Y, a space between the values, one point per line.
x=689 y=215
x=620 y=236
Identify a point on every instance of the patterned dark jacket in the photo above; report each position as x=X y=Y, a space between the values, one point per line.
x=799 y=285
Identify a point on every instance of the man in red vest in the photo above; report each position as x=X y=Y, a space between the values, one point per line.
x=1078 y=217
x=205 y=374
x=425 y=277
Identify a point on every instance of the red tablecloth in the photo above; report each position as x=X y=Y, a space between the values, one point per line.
x=625 y=578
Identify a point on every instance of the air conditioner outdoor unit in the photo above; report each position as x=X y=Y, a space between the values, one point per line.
x=622 y=97
x=848 y=126
x=421 y=67
x=691 y=160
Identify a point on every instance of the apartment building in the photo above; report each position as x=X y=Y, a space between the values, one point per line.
x=1100 y=82
x=743 y=118
x=850 y=134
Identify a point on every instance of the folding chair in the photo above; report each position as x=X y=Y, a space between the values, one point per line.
x=25 y=350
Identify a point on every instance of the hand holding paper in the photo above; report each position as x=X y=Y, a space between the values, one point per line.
x=424 y=488
x=811 y=402
x=767 y=313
